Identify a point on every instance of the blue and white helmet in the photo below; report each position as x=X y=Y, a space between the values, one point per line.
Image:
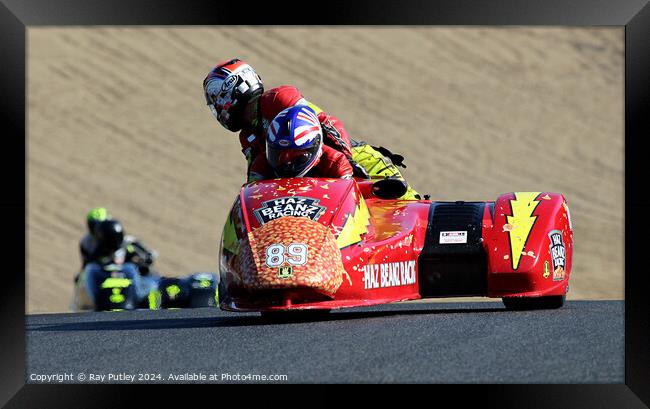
x=294 y=141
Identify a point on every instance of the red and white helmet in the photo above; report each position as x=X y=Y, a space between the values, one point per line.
x=228 y=87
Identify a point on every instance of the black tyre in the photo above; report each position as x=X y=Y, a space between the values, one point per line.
x=534 y=303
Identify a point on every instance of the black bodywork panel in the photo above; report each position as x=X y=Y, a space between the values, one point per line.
x=459 y=268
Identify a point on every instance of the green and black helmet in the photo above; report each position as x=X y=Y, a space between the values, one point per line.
x=109 y=234
x=97 y=214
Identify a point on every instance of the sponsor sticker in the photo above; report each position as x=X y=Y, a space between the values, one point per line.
x=558 y=254
x=547 y=271
x=285 y=272
x=296 y=206
x=453 y=237
x=385 y=275
x=229 y=83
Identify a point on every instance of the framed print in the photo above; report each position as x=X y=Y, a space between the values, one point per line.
x=103 y=100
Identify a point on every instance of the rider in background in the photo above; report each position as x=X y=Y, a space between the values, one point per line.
x=136 y=251
x=235 y=94
x=295 y=148
x=88 y=244
x=112 y=252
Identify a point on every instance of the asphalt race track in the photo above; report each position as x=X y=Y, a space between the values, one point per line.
x=476 y=342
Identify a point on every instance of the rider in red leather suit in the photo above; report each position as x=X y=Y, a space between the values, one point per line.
x=271 y=102
x=240 y=103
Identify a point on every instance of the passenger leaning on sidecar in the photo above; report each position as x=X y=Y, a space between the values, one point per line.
x=295 y=148
x=235 y=94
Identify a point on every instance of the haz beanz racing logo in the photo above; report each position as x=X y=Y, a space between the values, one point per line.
x=296 y=206
x=558 y=254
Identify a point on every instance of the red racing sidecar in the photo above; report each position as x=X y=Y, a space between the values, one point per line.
x=315 y=243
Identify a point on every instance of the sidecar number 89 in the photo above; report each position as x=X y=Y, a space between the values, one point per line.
x=294 y=254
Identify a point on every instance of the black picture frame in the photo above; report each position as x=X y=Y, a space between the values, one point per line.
x=634 y=15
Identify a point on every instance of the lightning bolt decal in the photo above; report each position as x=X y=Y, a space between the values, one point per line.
x=355 y=225
x=520 y=224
